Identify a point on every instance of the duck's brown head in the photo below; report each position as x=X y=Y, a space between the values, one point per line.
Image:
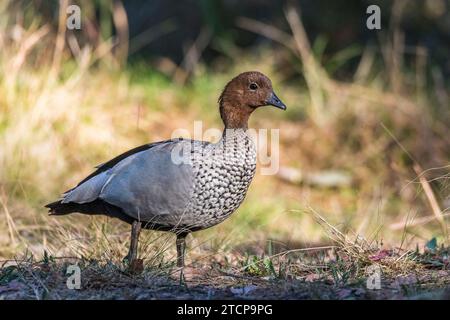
x=242 y=95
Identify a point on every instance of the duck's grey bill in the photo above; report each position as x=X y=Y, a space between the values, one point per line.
x=276 y=102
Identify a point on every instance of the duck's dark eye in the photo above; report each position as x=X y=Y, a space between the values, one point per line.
x=253 y=86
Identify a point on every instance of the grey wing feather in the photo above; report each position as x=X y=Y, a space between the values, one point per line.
x=87 y=191
x=148 y=185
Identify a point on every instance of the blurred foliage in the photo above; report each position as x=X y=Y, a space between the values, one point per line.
x=338 y=26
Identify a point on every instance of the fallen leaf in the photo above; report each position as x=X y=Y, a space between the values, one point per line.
x=432 y=244
x=382 y=254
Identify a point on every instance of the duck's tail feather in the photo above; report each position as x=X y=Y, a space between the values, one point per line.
x=96 y=207
x=58 y=208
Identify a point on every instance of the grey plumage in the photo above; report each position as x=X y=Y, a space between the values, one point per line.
x=179 y=185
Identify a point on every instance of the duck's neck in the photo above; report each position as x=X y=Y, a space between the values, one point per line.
x=236 y=141
x=235 y=116
x=231 y=134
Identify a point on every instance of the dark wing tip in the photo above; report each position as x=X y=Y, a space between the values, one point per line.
x=53 y=207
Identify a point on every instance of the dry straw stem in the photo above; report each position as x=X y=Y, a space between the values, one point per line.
x=192 y=56
x=121 y=24
x=358 y=248
x=287 y=252
x=415 y=222
x=12 y=230
x=60 y=40
x=431 y=197
x=316 y=77
x=394 y=50
x=360 y=251
x=425 y=185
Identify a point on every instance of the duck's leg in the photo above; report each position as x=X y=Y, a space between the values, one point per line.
x=135 y=232
x=181 y=248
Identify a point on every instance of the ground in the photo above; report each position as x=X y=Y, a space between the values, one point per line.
x=306 y=276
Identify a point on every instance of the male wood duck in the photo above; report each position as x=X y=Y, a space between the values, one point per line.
x=179 y=185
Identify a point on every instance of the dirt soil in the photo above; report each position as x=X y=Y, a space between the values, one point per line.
x=44 y=280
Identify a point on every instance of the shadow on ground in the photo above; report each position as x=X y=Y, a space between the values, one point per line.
x=49 y=279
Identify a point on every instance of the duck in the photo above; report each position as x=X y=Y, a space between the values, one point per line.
x=179 y=185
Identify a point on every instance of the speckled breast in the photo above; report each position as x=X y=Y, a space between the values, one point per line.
x=224 y=172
